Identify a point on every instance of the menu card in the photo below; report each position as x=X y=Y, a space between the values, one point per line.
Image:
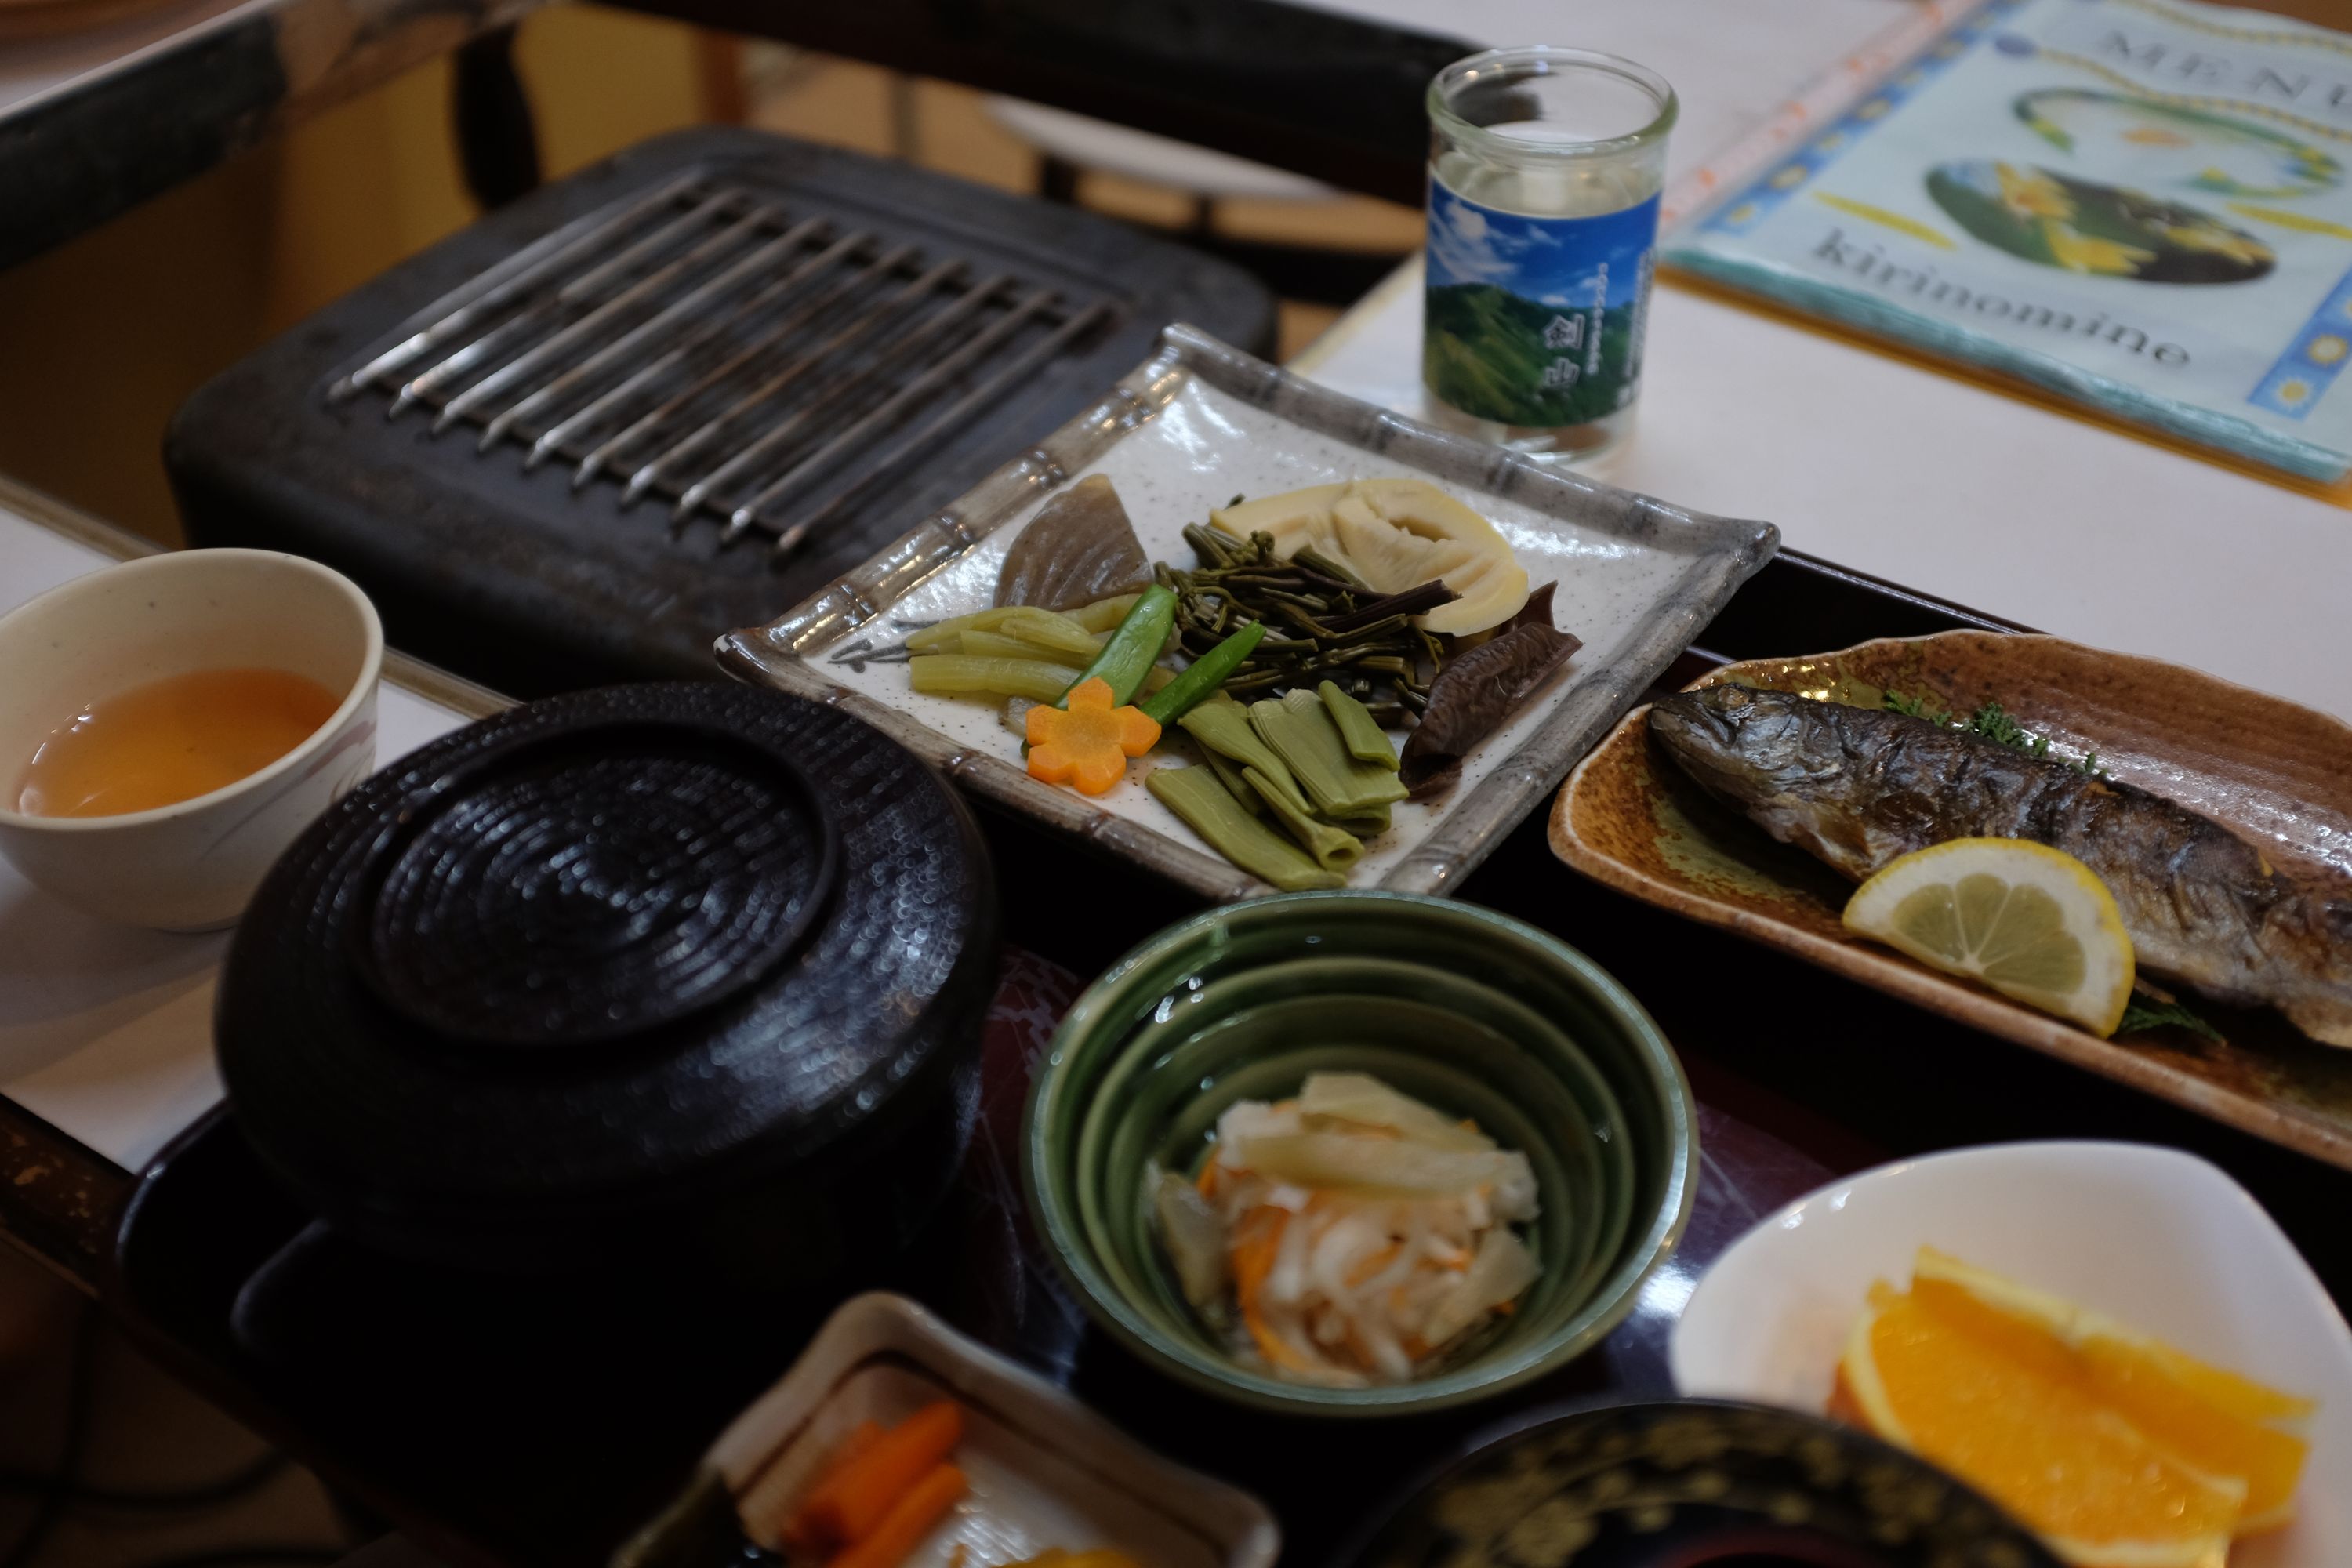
x=2143 y=203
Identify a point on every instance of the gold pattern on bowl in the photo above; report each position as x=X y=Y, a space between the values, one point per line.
x=1596 y=1487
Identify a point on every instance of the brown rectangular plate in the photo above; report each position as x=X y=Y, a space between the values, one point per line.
x=2277 y=775
x=1188 y=429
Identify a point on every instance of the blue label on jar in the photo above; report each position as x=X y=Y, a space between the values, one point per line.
x=1535 y=321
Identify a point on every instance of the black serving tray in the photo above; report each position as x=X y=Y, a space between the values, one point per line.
x=540 y=1420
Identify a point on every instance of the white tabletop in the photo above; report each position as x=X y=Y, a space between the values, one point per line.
x=1874 y=462
x=105 y=1031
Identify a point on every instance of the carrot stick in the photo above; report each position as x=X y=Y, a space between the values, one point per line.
x=848 y=1504
x=910 y=1519
x=857 y=1441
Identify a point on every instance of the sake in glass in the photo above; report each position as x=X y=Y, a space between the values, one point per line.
x=1545 y=166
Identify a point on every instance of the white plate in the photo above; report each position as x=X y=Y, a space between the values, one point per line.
x=1192 y=427
x=1044 y=1471
x=2155 y=1237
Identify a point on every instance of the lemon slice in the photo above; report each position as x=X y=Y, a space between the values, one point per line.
x=2033 y=923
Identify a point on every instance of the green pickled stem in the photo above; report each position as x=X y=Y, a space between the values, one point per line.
x=1003 y=645
x=1229 y=773
x=1359 y=731
x=1043 y=628
x=1334 y=848
x=1104 y=613
x=1223 y=726
x=1195 y=795
x=962 y=674
x=1302 y=733
x=944 y=637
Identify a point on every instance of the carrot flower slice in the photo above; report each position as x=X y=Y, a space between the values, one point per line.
x=1088 y=742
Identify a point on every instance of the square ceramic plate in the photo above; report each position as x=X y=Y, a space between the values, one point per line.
x=2154 y=1237
x=1043 y=1470
x=1190 y=428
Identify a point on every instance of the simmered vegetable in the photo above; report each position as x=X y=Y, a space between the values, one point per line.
x=1088 y=742
x=958 y=674
x=1006 y=644
x=1205 y=676
x=1362 y=1232
x=1130 y=650
x=1322 y=627
x=1300 y=731
x=1195 y=795
x=1393 y=534
x=1334 y=848
x=1078 y=548
x=910 y=1519
x=1023 y=622
x=1473 y=697
x=1105 y=614
x=855 y=1496
x=1359 y=731
x=1223 y=727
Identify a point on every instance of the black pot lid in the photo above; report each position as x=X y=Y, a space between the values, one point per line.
x=599 y=949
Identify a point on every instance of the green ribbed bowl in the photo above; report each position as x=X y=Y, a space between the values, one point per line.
x=1475 y=1013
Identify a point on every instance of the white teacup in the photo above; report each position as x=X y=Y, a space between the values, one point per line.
x=192 y=864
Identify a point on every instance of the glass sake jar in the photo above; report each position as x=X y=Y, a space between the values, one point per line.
x=1545 y=168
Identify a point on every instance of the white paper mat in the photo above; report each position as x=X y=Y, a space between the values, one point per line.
x=105 y=1030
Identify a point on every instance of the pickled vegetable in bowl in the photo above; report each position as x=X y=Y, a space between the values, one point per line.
x=1350 y=1235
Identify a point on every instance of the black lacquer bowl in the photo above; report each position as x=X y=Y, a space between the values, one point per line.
x=1694 y=1484
x=653 y=970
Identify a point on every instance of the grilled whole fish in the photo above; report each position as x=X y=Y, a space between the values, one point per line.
x=1859 y=787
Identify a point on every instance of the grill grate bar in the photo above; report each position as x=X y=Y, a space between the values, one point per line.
x=816 y=464
x=465 y=309
x=586 y=327
x=657 y=422
x=697 y=340
x=669 y=318
x=1013 y=372
x=907 y=332
x=540 y=312
x=572 y=426
x=875 y=318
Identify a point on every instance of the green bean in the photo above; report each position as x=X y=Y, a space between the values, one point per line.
x=1130 y=650
x=1202 y=678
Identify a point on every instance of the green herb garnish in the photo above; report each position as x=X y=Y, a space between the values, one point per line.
x=1917 y=707
x=1994 y=723
x=2140 y=1016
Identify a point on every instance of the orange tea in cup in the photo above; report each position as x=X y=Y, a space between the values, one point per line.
x=170 y=741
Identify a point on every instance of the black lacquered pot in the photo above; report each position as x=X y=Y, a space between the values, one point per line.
x=659 y=970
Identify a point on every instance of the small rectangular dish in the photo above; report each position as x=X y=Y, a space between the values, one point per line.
x=1044 y=1471
x=1192 y=427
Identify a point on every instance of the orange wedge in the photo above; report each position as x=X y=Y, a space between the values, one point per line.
x=1989 y=1396
x=2214 y=1421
